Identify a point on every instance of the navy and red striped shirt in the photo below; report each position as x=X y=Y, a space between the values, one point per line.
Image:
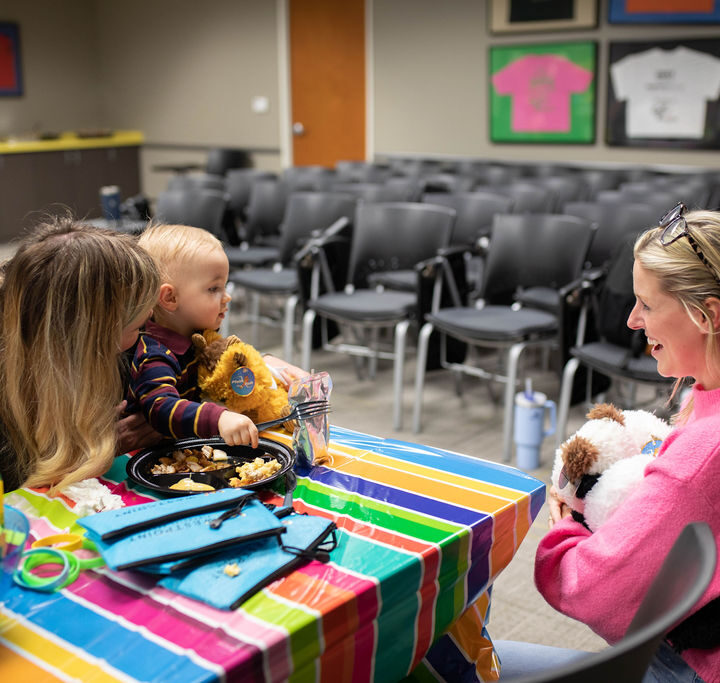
x=163 y=385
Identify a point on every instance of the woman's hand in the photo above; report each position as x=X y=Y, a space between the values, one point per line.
x=134 y=431
x=285 y=372
x=558 y=508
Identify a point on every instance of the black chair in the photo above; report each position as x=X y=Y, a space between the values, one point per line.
x=614 y=350
x=474 y=212
x=401 y=189
x=361 y=172
x=306 y=213
x=199 y=207
x=308 y=178
x=264 y=214
x=369 y=192
x=615 y=221
x=565 y=188
x=221 y=159
x=529 y=250
x=238 y=184
x=385 y=236
x=528 y=197
x=598 y=179
x=184 y=181
x=447 y=182
x=681 y=581
x=659 y=200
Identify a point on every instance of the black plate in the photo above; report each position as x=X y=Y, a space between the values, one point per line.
x=139 y=466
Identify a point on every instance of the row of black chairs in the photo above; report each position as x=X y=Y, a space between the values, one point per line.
x=274 y=256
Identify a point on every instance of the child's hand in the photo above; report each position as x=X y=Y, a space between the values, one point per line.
x=237 y=429
x=285 y=372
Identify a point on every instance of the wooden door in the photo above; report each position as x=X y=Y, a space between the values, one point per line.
x=327 y=80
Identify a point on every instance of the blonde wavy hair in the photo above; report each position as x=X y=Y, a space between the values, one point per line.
x=65 y=298
x=174 y=247
x=683 y=275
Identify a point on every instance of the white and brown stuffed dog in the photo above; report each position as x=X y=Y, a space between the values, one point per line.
x=597 y=467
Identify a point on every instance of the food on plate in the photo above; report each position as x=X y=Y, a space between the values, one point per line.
x=205 y=459
x=254 y=471
x=188 y=484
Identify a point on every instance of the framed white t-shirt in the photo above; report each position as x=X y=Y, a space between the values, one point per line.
x=666 y=91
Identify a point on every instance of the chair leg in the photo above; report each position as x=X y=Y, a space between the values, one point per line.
x=289 y=327
x=254 y=316
x=399 y=372
x=225 y=325
x=373 y=359
x=422 y=351
x=308 y=322
x=513 y=356
x=564 y=401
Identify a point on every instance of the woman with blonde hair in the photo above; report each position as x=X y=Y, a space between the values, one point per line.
x=601 y=578
x=72 y=299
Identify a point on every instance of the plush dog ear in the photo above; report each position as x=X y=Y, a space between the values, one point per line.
x=602 y=410
x=578 y=454
x=198 y=341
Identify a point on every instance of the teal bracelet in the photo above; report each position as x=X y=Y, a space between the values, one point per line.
x=38 y=556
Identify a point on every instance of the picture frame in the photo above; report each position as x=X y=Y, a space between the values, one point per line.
x=543 y=93
x=664 y=12
x=664 y=94
x=10 y=68
x=526 y=16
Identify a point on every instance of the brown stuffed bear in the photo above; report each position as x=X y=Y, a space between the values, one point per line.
x=234 y=374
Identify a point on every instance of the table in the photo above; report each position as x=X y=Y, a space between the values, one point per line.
x=423 y=533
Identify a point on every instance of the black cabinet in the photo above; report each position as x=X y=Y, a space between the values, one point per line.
x=34 y=183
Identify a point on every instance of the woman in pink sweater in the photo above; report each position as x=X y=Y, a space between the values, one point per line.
x=600 y=578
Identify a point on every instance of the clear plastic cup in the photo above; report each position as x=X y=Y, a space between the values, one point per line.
x=14 y=533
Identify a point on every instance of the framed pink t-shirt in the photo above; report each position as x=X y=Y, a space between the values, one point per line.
x=540 y=86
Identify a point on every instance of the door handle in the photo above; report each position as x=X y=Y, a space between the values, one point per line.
x=298 y=128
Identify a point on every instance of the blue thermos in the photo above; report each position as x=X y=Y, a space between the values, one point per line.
x=110 y=202
x=531 y=410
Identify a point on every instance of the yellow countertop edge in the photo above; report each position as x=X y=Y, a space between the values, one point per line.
x=120 y=138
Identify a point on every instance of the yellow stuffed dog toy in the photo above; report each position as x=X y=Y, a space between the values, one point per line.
x=234 y=374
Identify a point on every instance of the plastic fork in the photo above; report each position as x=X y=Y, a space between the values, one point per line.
x=302 y=411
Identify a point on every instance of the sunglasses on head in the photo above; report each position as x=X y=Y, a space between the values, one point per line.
x=674 y=226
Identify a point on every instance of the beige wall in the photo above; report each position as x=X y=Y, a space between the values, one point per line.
x=431 y=61
x=184 y=73
x=58 y=45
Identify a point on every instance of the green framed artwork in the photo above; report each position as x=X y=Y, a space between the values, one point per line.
x=543 y=93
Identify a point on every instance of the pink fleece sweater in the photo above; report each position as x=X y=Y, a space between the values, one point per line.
x=601 y=578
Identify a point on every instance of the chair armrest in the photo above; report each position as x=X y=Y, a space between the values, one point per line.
x=322 y=238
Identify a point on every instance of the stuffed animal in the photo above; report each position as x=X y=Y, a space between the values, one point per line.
x=597 y=467
x=234 y=374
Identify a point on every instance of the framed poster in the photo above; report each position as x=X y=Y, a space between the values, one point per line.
x=543 y=93
x=664 y=94
x=517 y=16
x=664 y=12
x=10 y=74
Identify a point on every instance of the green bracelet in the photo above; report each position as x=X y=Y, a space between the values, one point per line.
x=38 y=556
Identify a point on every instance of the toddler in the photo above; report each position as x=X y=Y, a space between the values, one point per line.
x=194 y=272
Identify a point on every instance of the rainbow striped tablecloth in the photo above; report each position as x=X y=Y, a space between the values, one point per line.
x=422 y=534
